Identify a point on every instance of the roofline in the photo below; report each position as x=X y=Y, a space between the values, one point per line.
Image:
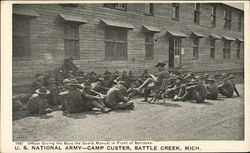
x=237 y=7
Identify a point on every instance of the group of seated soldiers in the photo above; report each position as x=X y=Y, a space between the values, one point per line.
x=73 y=91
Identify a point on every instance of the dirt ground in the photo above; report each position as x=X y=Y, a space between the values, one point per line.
x=222 y=119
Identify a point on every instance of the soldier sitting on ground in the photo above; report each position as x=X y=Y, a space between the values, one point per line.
x=98 y=86
x=232 y=79
x=182 y=90
x=37 y=83
x=116 y=100
x=195 y=90
x=227 y=88
x=93 y=99
x=67 y=66
x=212 y=88
x=107 y=79
x=80 y=101
x=37 y=103
x=174 y=87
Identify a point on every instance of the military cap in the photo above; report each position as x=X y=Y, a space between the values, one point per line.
x=42 y=91
x=160 y=63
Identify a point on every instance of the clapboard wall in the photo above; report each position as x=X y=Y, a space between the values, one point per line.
x=47 y=43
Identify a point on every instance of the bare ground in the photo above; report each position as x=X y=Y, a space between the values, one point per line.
x=213 y=120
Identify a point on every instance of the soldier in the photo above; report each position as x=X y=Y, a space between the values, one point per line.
x=116 y=99
x=79 y=101
x=53 y=98
x=174 y=87
x=227 y=87
x=195 y=90
x=67 y=66
x=201 y=90
x=93 y=98
x=37 y=103
x=232 y=79
x=98 y=86
x=107 y=79
x=185 y=82
x=124 y=77
x=37 y=83
x=212 y=88
x=156 y=81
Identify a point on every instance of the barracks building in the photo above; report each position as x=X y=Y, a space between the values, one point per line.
x=133 y=36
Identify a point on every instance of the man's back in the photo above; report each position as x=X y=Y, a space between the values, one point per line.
x=113 y=96
x=229 y=87
x=162 y=75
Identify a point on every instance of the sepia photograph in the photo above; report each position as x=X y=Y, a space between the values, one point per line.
x=134 y=71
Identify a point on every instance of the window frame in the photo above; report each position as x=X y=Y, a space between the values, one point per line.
x=115 y=42
x=22 y=34
x=197 y=13
x=68 y=39
x=151 y=9
x=196 y=42
x=239 y=22
x=227 y=18
x=227 y=49
x=177 y=46
x=212 y=48
x=238 y=50
x=213 y=15
x=149 y=44
x=116 y=6
x=176 y=11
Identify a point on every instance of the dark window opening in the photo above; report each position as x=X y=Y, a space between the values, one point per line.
x=177 y=46
x=116 y=44
x=196 y=48
x=149 y=46
x=227 y=49
x=149 y=8
x=119 y=6
x=71 y=40
x=176 y=12
x=213 y=15
x=212 y=49
x=197 y=13
x=21 y=36
x=227 y=18
x=238 y=49
x=239 y=22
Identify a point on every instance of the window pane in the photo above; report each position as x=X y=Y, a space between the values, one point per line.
x=122 y=35
x=20 y=46
x=110 y=34
x=115 y=43
x=212 y=52
x=21 y=39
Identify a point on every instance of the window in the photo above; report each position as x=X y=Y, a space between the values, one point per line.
x=238 y=49
x=21 y=36
x=149 y=8
x=119 y=6
x=71 y=40
x=177 y=46
x=149 y=46
x=239 y=22
x=213 y=15
x=227 y=18
x=176 y=11
x=212 y=49
x=116 y=43
x=197 y=13
x=196 y=48
x=227 y=49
